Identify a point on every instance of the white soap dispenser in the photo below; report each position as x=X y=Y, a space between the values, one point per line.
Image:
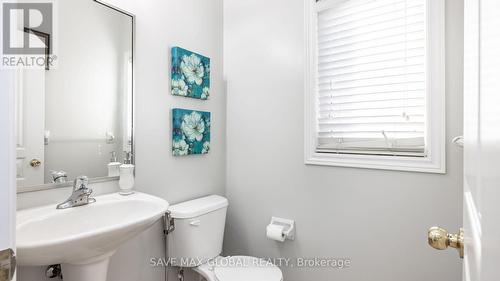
x=114 y=166
x=127 y=180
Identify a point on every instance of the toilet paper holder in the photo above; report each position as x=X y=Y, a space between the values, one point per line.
x=288 y=227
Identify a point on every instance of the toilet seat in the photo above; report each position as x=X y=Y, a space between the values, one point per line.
x=240 y=268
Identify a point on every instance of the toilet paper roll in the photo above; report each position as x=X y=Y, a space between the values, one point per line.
x=275 y=232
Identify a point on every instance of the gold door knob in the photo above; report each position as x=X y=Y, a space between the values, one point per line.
x=440 y=239
x=35 y=163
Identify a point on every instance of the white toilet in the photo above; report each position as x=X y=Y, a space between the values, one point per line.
x=196 y=243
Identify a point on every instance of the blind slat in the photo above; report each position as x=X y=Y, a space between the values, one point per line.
x=381 y=36
x=374 y=89
x=324 y=5
x=375 y=82
x=401 y=109
x=371 y=96
x=417 y=110
x=416 y=55
x=339 y=13
x=370 y=47
x=376 y=66
x=368 y=95
x=412 y=99
x=360 y=21
x=403 y=71
x=367 y=135
x=370 y=119
x=412 y=24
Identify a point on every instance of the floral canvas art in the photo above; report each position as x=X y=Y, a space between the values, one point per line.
x=191 y=132
x=190 y=74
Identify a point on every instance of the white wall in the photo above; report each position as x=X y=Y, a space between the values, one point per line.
x=379 y=219
x=195 y=25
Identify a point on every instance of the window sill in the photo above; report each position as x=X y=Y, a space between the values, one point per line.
x=395 y=163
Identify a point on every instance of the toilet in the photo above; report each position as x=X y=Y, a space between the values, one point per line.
x=196 y=243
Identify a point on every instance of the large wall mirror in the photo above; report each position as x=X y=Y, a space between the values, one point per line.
x=77 y=118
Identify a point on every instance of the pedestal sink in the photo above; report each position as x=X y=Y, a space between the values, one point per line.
x=82 y=239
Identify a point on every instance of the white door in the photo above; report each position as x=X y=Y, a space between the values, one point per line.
x=482 y=141
x=7 y=171
x=481 y=229
x=30 y=126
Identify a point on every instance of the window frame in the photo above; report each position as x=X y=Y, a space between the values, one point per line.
x=435 y=139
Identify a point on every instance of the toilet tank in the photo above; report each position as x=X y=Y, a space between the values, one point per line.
x=199 y=231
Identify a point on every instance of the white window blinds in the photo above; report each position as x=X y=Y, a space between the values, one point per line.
x=371 y=80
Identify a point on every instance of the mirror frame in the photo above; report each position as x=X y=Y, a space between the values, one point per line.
x=48 y=186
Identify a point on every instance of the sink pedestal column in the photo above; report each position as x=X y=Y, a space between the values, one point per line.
x=95 y=271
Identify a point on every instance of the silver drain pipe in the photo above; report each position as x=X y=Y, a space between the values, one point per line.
x=168 y=227
x=180 y=274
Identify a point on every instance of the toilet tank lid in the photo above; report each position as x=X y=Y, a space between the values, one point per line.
x=198 y=207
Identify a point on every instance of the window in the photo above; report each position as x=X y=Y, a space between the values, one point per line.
x=375 y=84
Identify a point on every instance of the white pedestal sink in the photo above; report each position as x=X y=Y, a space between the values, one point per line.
x=82 y=239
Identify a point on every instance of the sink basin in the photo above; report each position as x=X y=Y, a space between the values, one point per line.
x=83 y=239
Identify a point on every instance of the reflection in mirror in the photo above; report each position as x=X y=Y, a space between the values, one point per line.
x=76 y=118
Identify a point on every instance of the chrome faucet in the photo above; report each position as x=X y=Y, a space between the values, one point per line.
x=80 y=196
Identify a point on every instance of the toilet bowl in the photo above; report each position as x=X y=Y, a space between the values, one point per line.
x=240 y=268
x=196 y=243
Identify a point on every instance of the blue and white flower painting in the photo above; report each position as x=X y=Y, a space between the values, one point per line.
x=190 y=74
x=191 y=132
